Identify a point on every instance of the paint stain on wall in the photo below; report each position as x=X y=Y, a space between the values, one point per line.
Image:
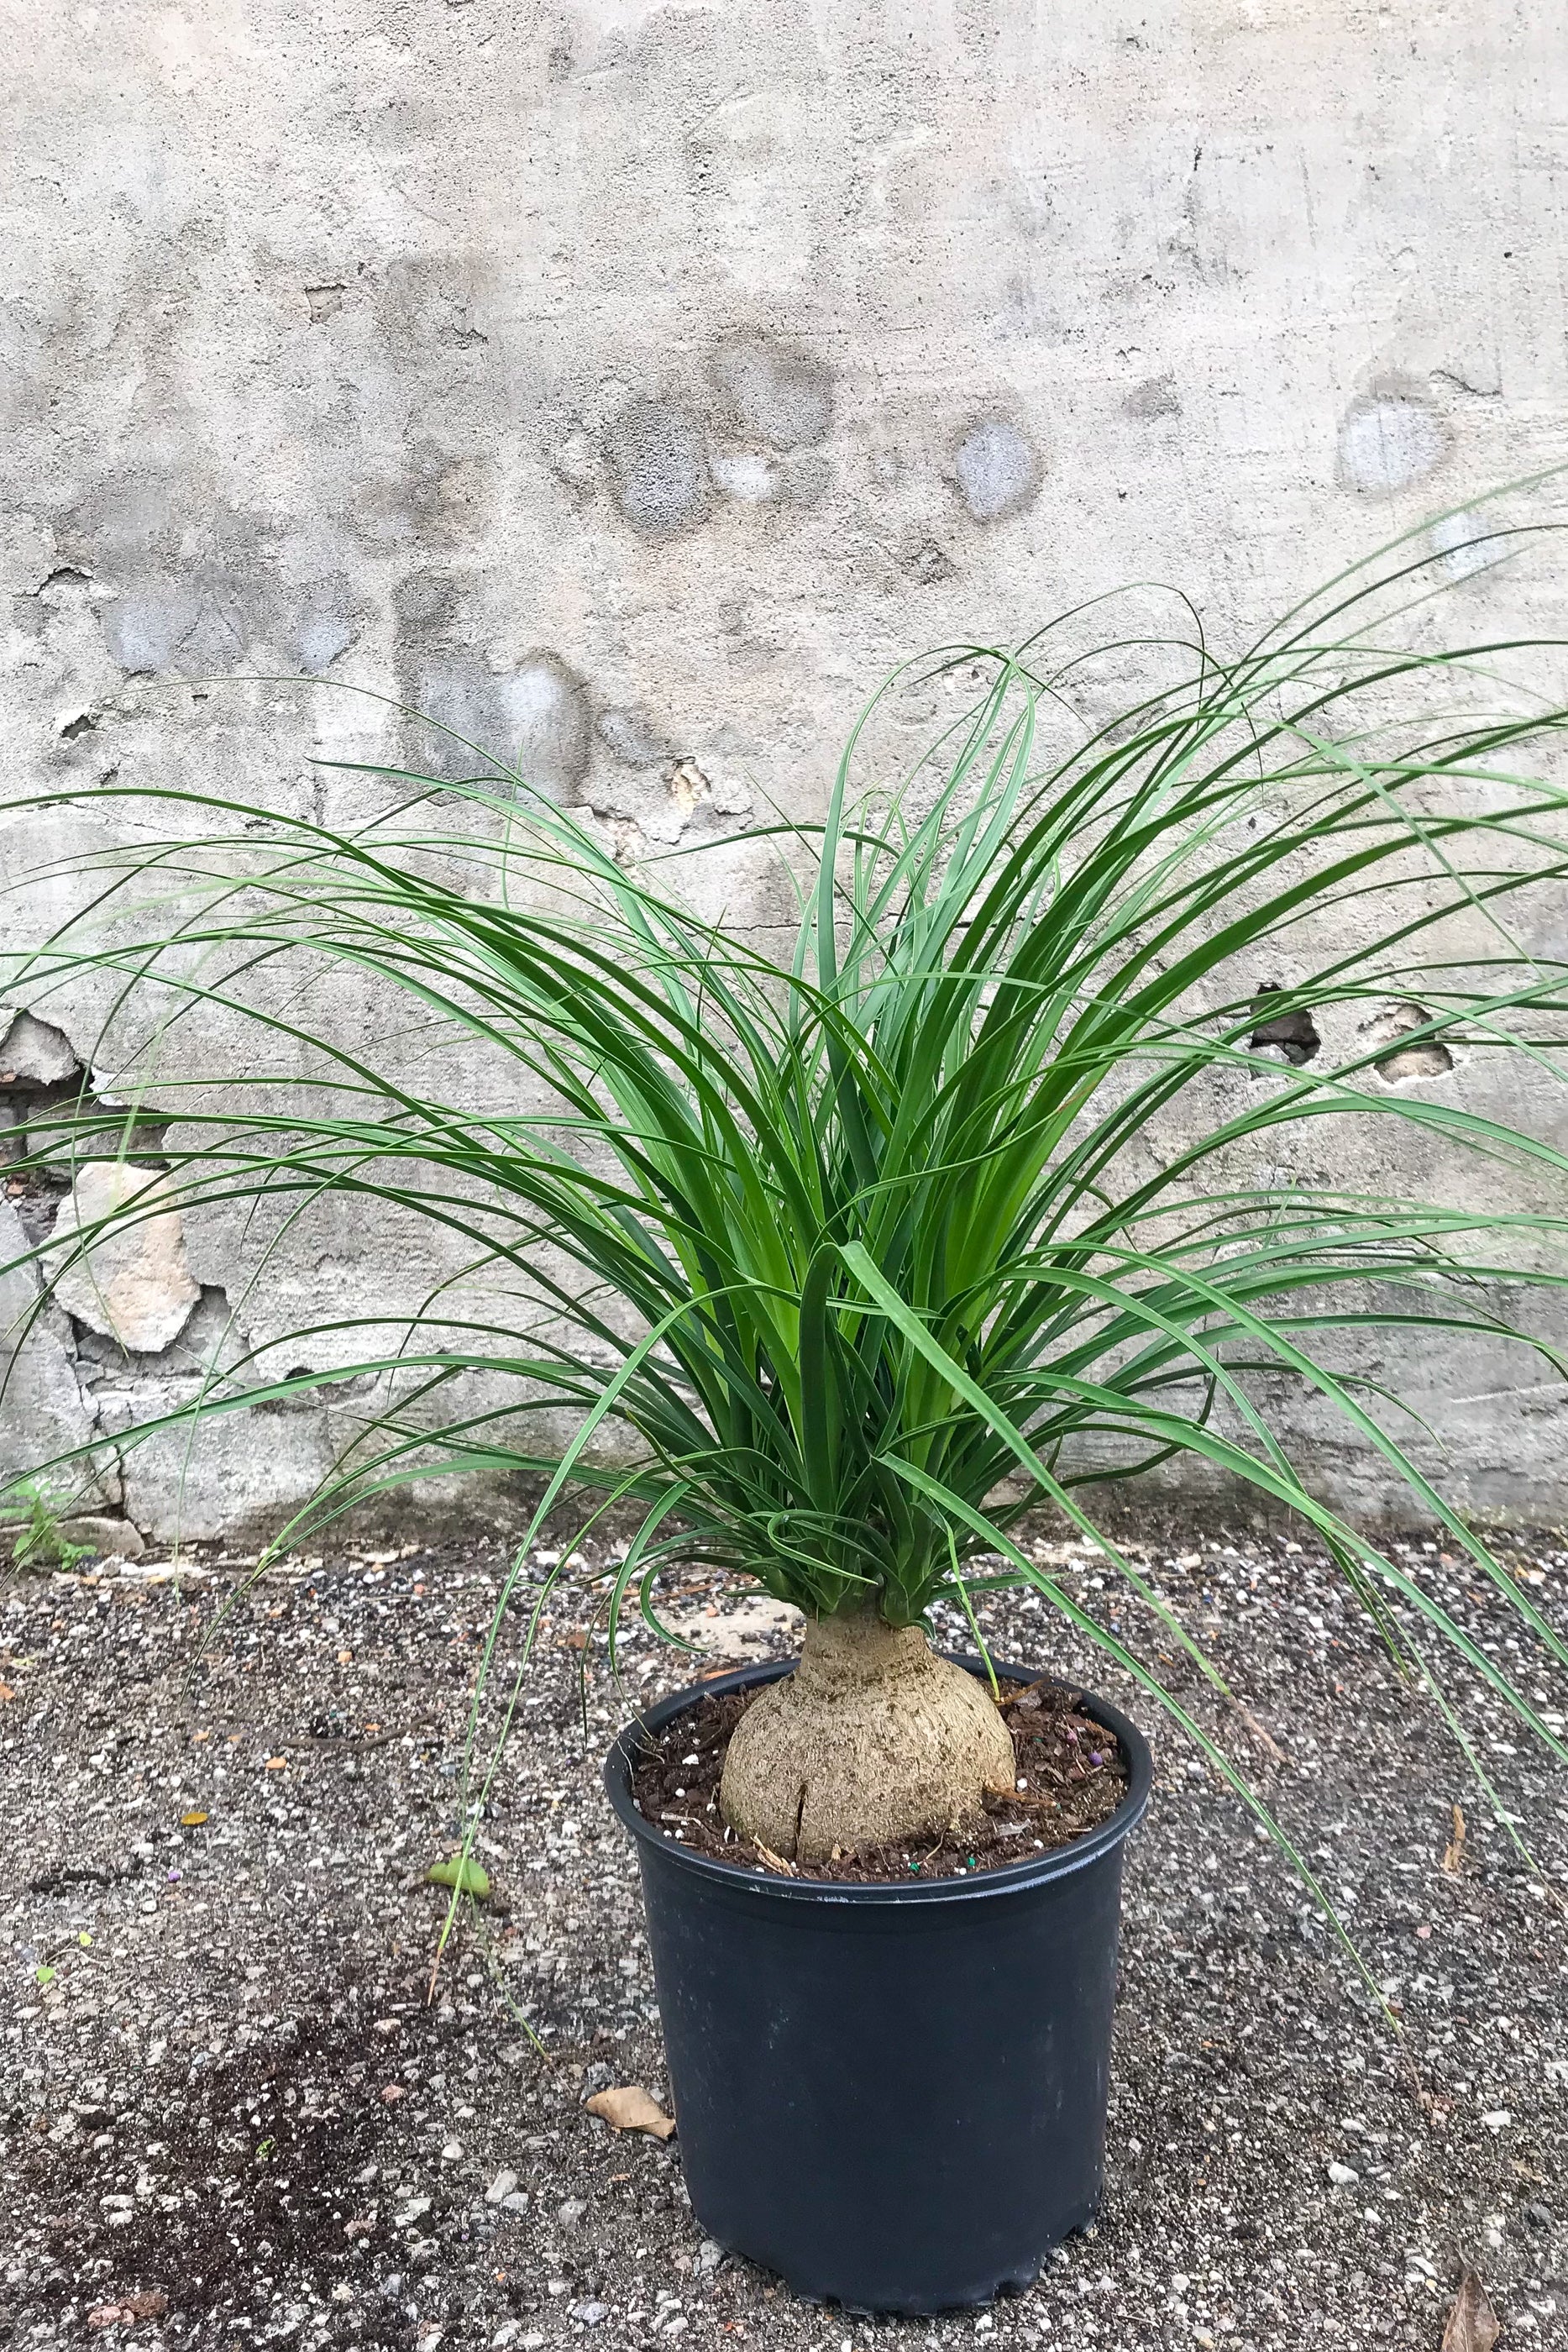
x=1156 y=396
x=533 y=720
x=1389 y=440
x=996 y=468
x=742 y=474
x=657 y=470
x=631 y=737
x=780 y=394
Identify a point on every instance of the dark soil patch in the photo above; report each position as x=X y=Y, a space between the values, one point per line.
x=281 y=2163
x=1071 y=1775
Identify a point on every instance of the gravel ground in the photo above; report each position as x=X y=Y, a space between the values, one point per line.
x=232 y=2115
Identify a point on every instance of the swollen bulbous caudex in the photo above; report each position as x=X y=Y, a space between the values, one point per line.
x=872 y=1740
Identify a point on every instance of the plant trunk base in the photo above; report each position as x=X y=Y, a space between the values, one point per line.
x=872 y=1740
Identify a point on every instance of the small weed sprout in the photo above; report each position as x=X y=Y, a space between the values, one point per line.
x=32 y=1518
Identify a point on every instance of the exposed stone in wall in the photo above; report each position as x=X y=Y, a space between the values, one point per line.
x=132 y=1285
x=240 y=1470
x=1430 y=1058
x=108 y=1536
x=44 y=1410
x=34 y=1053
x=246 y=1471
x=209 y=1347
x=1291 y=1036
x=39 y=1076
x=688 y=785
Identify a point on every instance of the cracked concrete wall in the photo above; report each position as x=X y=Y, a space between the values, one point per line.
x=627 y=384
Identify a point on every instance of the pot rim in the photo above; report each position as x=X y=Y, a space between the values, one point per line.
x=1009 y=1878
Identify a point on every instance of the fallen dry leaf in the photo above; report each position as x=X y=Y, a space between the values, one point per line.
x=1473 y=2325
x=192 y=1821
x=277 y=1763
x=5 y=1692
x=631 y=2108
x=1264 y=1738
x=151 y=2303
x=1454 y=1853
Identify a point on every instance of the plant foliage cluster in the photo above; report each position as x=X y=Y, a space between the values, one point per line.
x=969 y=1198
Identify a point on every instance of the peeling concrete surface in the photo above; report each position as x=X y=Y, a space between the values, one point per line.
x=627 y=386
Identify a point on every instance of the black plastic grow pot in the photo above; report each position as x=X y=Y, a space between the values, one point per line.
x=892 y=2094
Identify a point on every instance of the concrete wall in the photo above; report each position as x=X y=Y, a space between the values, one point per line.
x=631 y=383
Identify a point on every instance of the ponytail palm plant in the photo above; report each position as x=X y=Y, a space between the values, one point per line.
x=973 y=1196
